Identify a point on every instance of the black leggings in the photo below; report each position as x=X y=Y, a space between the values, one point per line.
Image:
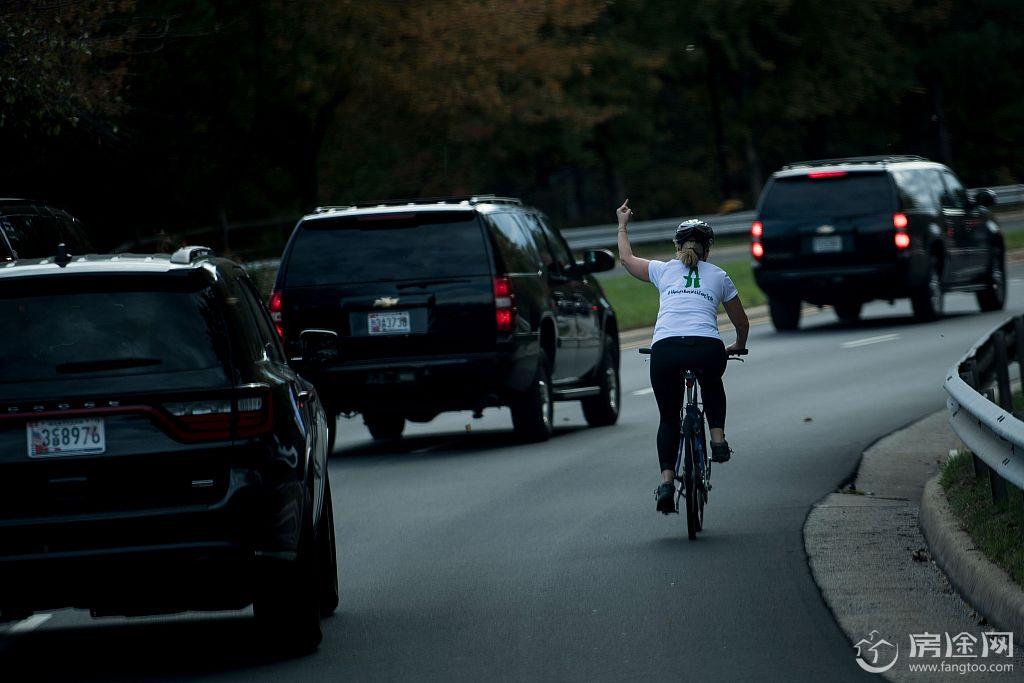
x=669 y=358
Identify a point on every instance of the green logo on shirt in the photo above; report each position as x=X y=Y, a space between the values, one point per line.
x=693 y=279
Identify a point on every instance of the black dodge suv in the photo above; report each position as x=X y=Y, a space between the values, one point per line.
x=843 y=232
x=404 y=310
x=157 y=454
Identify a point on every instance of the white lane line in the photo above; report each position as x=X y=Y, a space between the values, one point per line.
x=644 y=392
x=30 y=624
x=870 y=340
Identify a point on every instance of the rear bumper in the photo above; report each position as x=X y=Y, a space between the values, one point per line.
x=426 y=385
x=152 y=560
x=893 y=280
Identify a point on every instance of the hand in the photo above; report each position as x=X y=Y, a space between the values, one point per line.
x=624 y=213
x=733 y=348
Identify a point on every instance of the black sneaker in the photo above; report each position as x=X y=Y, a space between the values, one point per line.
x=720 y=452
x=666 y=495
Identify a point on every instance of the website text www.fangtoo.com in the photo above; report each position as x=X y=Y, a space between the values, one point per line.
x=960 y=667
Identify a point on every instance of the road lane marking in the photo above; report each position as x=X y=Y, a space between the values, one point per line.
x=644 y=392
x=870 y=340
x=30 y=624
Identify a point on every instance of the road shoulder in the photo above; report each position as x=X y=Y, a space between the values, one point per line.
x=870 y=560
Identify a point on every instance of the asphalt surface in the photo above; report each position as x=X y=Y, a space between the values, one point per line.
x=466 y=556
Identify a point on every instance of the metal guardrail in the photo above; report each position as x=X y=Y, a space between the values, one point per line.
x=981 y=406
x=641 y=232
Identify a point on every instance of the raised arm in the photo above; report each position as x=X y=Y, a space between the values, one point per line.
x=634 y=265
x=738 y=318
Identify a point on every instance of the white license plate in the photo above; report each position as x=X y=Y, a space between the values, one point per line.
x=54 y=438
x=388 y=322
x=827 y=245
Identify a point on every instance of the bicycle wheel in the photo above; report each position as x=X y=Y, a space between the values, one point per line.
x=702 y=468
x=693 y=506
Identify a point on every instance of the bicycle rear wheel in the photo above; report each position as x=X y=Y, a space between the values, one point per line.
x=694 y=504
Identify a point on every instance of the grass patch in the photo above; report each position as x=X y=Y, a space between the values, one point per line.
x=1014 y=240
x=995 y=529
x=636 y=302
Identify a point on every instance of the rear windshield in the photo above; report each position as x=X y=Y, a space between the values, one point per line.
x=847 y=195
x=396 y=247
x=96 y=329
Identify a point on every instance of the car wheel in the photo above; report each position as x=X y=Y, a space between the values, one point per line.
x=993 y=297
x=603 y=410
x=533 y=414
x=785 y=313
x=848 y=311
x=287 y=600
x=327 y=555
x=928 y=301
x=384 y=426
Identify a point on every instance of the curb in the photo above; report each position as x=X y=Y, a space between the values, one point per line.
x=986 y=586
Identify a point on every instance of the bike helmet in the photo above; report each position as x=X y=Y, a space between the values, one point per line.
x=695 y=230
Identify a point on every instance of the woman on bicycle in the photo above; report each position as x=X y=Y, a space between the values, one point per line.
x=686 y=337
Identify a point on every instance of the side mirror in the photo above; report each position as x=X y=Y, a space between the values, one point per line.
x=319 y=346
x=597 y=261
x=985 y=197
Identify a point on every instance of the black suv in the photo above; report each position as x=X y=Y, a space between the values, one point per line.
x=32 y=230
x=404 y=310
x=157 y=454
x=842 y=232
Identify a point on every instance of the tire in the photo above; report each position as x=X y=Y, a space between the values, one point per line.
x=327 y=556
x=690 y=489
x=848 y=311
x=287 y=600
x=384 y=426
x=785 y=313
x=993 y=298
x=929 y=299
x=603 y=410
x=533 y=413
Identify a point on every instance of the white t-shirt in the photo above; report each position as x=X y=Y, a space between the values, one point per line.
x=689 y=298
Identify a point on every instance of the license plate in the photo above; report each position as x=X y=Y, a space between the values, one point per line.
x=54 y=438
x=388 y=322
x=828 y=244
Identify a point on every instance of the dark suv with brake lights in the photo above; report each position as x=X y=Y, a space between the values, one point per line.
x=403 y=310
x=843 y=232
x=157 y=453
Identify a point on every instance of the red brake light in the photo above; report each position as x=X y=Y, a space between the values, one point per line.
x=504 y=304
x=826 y=174
x=757 y=249
x=757 y=229
x=276 y=305
x=900 y=220
x=902 y=240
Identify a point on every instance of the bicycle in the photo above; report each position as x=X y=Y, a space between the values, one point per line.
x=695 y=484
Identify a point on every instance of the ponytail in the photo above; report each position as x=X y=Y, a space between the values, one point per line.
x=690 y=253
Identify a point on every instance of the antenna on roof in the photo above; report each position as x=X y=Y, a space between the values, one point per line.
x=187 y=255
x=62 y=258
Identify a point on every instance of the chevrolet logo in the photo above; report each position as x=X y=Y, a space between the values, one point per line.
x=826 y=229
x=385 y=302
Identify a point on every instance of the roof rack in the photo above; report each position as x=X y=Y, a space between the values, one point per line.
x=455 y=199
x=878 y=159
x=187 y=255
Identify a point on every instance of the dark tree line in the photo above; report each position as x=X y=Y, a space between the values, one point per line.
x=147 y=115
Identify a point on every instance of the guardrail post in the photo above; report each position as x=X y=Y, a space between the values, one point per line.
x=1002 y=370
x=1018 y=329
x=998 y=485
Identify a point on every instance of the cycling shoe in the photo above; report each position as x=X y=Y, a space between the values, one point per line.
x=666 y=495
x=720 y=452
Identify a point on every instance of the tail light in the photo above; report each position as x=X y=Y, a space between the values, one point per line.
x=276 y=305
x=826 y=174
x=504 y=304
x=756 y=248
x=900 y=222
x=248 y=413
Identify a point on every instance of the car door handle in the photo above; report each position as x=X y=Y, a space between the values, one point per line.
x=303 y=394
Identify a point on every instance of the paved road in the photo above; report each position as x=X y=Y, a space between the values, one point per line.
x=463 y=557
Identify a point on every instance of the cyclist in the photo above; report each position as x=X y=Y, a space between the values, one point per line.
x=686 y=337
